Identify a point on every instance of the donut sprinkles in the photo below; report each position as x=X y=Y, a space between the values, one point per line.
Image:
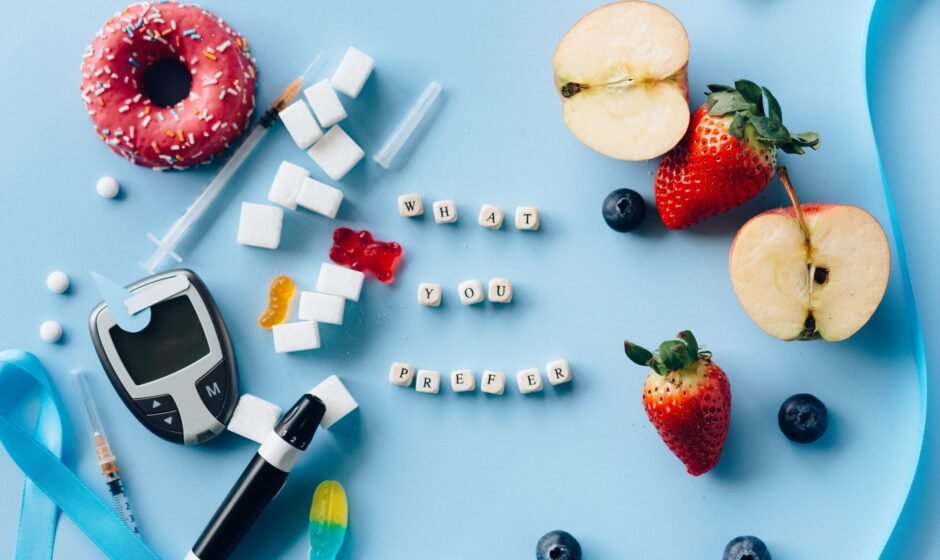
x=203 y=124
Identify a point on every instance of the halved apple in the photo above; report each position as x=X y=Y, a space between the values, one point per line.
x=810 y=270
x=621 y=73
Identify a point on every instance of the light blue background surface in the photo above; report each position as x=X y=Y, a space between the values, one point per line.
x=469 y=477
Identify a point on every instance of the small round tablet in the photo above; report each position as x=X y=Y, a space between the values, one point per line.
x=108 y=187
x=57 y=282
x=50 y=331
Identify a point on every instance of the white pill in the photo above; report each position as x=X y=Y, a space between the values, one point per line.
x=50 y=331
x=107 y=187
x=57 y=281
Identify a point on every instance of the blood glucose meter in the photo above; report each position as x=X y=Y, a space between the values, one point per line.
x=177 y=375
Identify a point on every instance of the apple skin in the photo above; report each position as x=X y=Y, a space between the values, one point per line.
x=877 y=248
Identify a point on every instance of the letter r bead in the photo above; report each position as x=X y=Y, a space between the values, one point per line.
x=558 y=371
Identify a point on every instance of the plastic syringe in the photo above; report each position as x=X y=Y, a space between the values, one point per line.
x=166 y=245
x=103 y=451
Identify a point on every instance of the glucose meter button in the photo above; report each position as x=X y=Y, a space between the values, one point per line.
x=156 y=405
x=212 y=388
x=168 y=422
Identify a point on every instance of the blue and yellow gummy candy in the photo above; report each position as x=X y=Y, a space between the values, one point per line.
x=329 y=515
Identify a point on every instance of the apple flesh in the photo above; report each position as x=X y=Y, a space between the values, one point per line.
x=621 y=73
x=822 y=280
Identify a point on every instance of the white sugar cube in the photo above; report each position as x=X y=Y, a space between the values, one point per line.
x=493 y=382
x=529 y=380
x=339 y=402
x=286 y=184
x=428 y=381
x=445 y=212
x=336 y=153
x=429 y=294
x=462 y=380
x=500 y=290
x=558 y=372
x=410 y=205
x=322 y=308
x=471 y=292
x=340 y=281
x=352 y=72
x=254 y=418
x=295 y=337
x=319 y=197
x=325 y=103
x=527 y=218
x=260 y=225
x=401 y=374
x=491 y=216
x=299 y=122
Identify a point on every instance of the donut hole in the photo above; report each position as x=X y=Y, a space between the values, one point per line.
x=167 y=82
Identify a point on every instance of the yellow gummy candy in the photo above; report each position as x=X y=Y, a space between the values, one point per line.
x=329 y=516
x=279 y=296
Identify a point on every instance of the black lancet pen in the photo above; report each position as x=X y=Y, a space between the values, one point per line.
x=261 y=481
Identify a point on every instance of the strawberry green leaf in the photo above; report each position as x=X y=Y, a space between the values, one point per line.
x=773 y=106
x=637 y=354
x=736 y=128
x=808 y=139
x=745 y=102
x=791 y=148
x=752 y=93
x=770 y=130
x=684 y=352
x=725 y=102
x=689 y=339
x=671 y=354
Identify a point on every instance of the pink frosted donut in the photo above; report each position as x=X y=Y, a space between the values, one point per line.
x=199 y=126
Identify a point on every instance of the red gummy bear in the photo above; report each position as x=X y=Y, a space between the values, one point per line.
x=358 y=251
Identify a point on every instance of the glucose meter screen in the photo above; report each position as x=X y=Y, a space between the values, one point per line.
x=173 y=340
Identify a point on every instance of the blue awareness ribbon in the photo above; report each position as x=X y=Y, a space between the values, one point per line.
x=879 y=26
x=50 y=486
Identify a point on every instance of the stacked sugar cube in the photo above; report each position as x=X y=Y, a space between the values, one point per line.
x=334 y=151
x=335 y=285
x=260 y=225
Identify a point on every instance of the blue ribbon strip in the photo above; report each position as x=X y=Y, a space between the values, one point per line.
x=50 y=485
x=877 y=26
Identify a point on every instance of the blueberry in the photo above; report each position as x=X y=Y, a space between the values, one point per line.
x=803 y=418
x=558 y=545
x=624 y=210
x=746 y=548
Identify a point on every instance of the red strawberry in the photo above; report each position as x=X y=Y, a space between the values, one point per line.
x=687 y=398
x=727 y=155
